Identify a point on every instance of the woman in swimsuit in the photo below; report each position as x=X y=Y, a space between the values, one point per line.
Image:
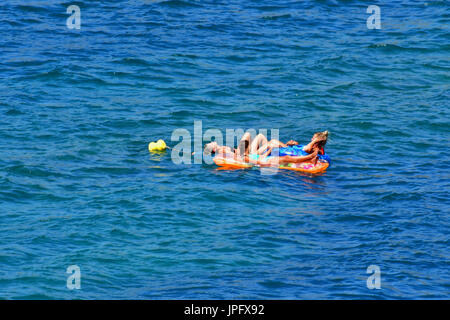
x=275 y=152
x=240 y=153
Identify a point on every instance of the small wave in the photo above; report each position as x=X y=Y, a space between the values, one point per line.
x=23 y=170
x=180 y=114
x=120 y=124
x=392 y=48
x=30 y=8
x=219 y=93
x=436 y=67
x=14 y=112
x=185 y=55
x=255 y=114
x=277 y=16
x=331 y=59
x=56 y=73
x=248 y=84
x=436 y=3
x=132 y=62
x=342 y=86
x=273 y=284
x=13 y=23
x=20 y=62
x=89 y=79
x=179 y=4
x=31 y=21
x=114 y=171
x=150 y=122
x=237 y=58
x=197 y=102
x=33 y=296
x=213 y=27
x=267 y=7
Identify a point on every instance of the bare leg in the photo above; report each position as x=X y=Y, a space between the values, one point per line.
x=274 y=143
x=259 y=144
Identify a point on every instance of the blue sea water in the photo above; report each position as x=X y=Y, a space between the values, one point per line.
x=79 y=187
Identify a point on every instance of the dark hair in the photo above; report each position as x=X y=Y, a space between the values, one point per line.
x=243 y=147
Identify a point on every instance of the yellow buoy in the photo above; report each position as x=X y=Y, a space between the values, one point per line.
x=157 y=146
x=151 y=146
x=162 y=145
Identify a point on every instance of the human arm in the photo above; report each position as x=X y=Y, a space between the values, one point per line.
x=297 y=159
x=310 y=146
x=277 y=144
x=266 y=153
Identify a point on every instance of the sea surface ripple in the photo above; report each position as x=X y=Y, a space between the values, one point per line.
x=79 y=187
